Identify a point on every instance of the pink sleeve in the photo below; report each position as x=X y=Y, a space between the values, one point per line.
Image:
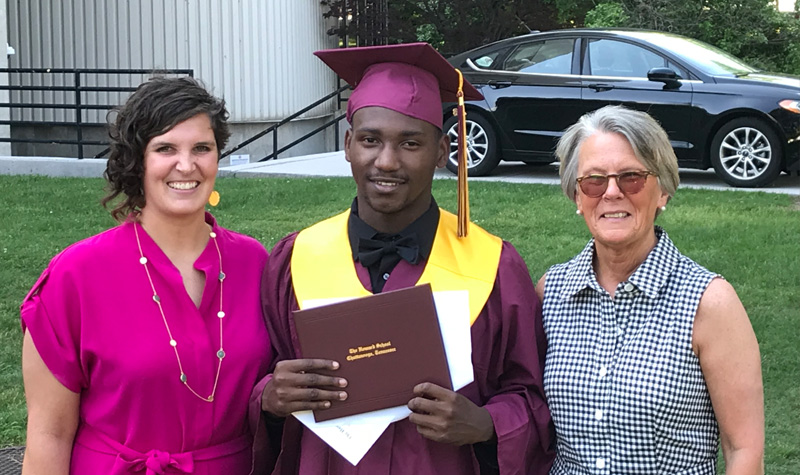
x=51 y=314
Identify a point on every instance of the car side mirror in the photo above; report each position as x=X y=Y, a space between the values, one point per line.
x=666 y=75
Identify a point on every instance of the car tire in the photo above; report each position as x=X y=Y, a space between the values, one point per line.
x=746 y=152
x=482 y=156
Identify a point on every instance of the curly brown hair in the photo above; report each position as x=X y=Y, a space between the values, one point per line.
x=153 y=109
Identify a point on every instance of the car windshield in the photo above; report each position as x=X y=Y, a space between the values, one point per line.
x=709 y=59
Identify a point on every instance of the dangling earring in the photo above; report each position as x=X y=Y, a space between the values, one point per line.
x=663 y=208
x=578 y=212
x=213 y=198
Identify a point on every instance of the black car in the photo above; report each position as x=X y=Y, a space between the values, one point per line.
x=717 y=110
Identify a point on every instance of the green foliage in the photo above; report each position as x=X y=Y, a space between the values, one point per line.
x=753 y=30
x=430 y=34
x=453 y=26
x=608 y=14
x=750 y=29
x=572 y=12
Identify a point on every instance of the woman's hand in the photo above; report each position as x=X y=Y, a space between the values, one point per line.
x=52 y=416
x=726 y=345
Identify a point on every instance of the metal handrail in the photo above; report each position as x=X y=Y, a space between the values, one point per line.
x=188 y=72
x=319 y=129
x=62 y=142
x=41 y=105
x=67 y=88
x=77 y=105
x=274 y=128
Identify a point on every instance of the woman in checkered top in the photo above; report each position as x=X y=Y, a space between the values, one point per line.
x=651 y=358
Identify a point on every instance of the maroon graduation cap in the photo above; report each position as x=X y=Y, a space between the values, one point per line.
x=412 y=79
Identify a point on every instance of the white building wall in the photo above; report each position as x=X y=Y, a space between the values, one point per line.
x=257 y=54
x=5 y=130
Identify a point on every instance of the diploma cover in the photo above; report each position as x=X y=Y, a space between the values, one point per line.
x=385 y=344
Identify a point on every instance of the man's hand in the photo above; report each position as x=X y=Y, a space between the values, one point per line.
x=445 y=416
x=295 y=386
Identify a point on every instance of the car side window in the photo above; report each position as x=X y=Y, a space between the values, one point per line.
x=543 y=57
x=486 y=61
x=678 y=70
x=620 y=59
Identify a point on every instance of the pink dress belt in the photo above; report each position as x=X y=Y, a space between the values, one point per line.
x=154 y=462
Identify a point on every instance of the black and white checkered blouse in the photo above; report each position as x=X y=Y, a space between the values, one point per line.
x=623 y=384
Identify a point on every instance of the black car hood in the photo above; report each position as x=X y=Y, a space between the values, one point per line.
x=790 y=82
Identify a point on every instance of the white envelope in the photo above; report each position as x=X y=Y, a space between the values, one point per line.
x=353 y=436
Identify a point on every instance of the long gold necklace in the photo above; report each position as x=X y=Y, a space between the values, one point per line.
x=172 y=341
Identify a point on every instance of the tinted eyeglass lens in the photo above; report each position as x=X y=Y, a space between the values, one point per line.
x=594 y=185
x=630 y=183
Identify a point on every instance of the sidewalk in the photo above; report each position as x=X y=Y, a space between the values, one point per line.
x=333 y=164
x=322 y=164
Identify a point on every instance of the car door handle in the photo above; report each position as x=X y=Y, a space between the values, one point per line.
x=499 y=84
x=601 y=87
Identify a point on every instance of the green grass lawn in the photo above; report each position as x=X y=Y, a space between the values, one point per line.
x=753 y=239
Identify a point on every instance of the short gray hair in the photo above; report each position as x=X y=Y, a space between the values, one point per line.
x=648 y=140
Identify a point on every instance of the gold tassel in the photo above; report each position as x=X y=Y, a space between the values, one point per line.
x=463 y=191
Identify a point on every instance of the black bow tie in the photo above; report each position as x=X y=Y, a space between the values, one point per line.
x=371 y=251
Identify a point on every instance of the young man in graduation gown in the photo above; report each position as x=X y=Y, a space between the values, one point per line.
x=395 y=236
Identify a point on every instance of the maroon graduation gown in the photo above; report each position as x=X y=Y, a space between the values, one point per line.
x=508 y=348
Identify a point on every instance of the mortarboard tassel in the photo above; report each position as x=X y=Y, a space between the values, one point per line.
x=463 y=191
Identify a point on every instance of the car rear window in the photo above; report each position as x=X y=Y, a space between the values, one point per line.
x=544 y=57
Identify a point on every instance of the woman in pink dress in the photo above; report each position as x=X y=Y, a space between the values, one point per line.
x=143 y=343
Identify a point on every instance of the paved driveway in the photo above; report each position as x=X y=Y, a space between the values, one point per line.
x=334 y=164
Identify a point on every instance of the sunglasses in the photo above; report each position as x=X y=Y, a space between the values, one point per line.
x=629 y=183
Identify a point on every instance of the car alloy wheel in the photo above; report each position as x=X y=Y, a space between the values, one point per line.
x=482 y=157
x=746 y=152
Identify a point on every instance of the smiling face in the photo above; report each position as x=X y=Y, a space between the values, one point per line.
x=617 y=220
x=393 y=157
x=179 y=170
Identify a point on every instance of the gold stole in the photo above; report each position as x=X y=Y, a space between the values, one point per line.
x=322 y=262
